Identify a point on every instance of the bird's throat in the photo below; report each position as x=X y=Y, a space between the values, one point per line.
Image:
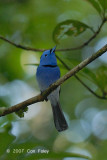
x=49 y=65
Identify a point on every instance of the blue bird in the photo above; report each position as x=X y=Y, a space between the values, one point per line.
x=47 y=73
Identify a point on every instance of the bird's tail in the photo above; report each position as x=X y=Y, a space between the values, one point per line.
x=59 y=119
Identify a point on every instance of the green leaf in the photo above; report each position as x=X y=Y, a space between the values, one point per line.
x=103 y=3
x=96 y=5
x=20 y=113
x=69 y=28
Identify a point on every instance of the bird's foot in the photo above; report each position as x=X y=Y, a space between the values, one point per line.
x=45 y=98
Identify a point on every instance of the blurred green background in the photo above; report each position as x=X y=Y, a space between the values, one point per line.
x=32 y=23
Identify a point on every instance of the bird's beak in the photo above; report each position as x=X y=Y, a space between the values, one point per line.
x=53 y=49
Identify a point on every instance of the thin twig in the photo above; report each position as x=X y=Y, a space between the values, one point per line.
x=89 y=89
x=60 y=81
x=21 y=46
x=66 y=49
x=88 y=41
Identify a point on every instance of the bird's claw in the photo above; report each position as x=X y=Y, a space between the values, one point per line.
x=45 y=98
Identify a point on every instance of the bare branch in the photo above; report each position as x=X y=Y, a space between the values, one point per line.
x=88 y=41
x=66 y=49
x=89 y=89
x=42 y=96
x=21 y=46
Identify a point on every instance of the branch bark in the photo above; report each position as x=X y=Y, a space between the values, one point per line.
x=42 y=96
x=86 y=86
x=89 y=40
x=66 y=49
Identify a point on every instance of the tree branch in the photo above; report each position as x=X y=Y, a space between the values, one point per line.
x=66 y=49
x=42 y=96
x=88 y=41
x=21 y=46
x=89 y=89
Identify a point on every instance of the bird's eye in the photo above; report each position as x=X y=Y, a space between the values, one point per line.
x=45 y=55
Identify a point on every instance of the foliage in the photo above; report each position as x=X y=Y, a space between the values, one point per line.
x=20 y=113
x=69 y=28
x=40 y=24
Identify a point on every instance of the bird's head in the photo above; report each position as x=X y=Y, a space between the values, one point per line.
x=48 y=57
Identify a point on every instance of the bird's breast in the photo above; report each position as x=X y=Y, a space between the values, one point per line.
x=47 y=75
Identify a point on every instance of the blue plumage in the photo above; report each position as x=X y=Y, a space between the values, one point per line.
x=47 y=73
